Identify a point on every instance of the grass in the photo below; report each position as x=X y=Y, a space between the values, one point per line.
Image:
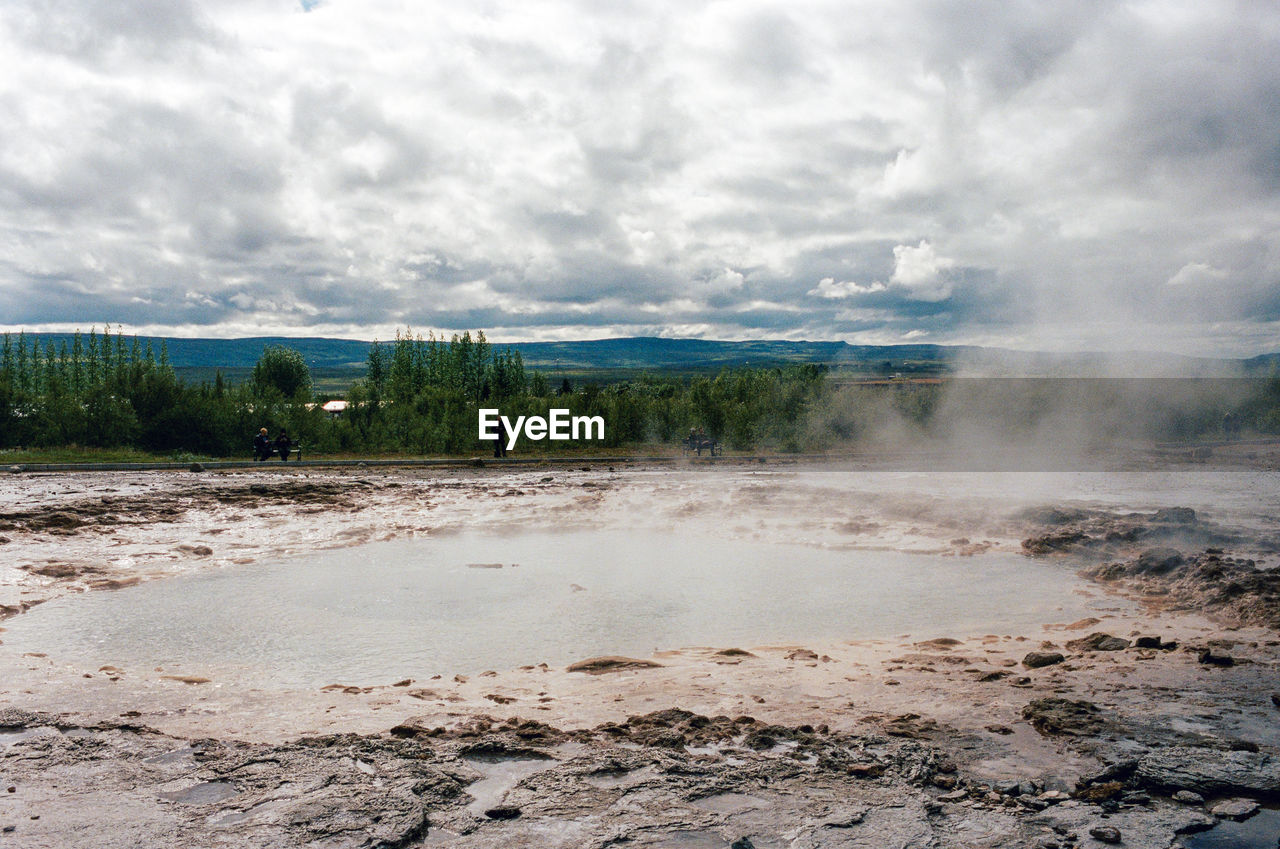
x=77 y=454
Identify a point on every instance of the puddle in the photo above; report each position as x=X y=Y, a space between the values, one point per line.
x=1260 y=831
x=414 y=608
x=9 y=736
x=183 y=755
x=501 y=774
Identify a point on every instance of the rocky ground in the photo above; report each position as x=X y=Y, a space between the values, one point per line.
x=1140 y=726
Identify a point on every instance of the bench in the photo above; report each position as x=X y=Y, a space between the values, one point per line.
x=698 y=444
x=295 y=451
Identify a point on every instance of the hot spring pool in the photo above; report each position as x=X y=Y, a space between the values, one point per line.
x=413 y=608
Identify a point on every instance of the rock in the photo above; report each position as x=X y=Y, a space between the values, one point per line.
x=1152 y=643
x=844 y=817
x=1157 y=561
x=954 y=795
x=742 y=843
x=1175 y=516
x=1053 y=715
x=1105 y=833
x=865 y=770
x=1037 y=659
x=1187 y=797
x=1008 y=788
x=1234 y=809
x=16 y=470
x=1208 y=658
x=1098 y=641
x=1197 y=821
x=1103 y=792
x=197 y=467
x=56 y=570
x=1209 y=772
x=1113 y=770
x=601 y=665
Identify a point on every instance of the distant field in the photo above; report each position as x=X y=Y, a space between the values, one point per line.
x=338 y=380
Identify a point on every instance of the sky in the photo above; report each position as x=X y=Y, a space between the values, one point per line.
x=1043 y=176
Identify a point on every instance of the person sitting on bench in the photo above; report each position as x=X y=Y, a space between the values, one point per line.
x=262 y=446
x=283 y=446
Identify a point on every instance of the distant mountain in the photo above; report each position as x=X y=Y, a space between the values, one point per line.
x=645 y=352
x=242 y=353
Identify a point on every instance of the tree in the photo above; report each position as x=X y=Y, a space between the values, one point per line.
x=538 y=386
x=281 y=370
x=377 y=373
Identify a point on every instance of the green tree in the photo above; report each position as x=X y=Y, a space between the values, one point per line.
x=281 y=370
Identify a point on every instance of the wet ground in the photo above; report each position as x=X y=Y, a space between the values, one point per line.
x=1032 y=736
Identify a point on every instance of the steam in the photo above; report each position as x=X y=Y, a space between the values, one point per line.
x=1082 y=412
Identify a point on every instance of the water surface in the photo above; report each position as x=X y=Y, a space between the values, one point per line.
x=413 y=608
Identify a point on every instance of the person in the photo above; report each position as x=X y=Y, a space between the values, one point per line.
x=500 y=444
x=261 y=445
x=283 y=446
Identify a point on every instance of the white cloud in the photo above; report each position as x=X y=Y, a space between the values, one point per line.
x=1196 y=274
x=922 y=272
x=828 y=288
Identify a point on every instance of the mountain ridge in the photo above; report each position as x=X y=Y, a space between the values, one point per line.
x=664 y=353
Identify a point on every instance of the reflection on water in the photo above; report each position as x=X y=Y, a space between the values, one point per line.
x=413 y=608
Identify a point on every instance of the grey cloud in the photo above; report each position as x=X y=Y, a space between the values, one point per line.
x=636 y=167
x=100 y=32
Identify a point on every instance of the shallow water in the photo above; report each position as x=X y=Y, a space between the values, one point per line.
x=1261 y=831
x=410 y=609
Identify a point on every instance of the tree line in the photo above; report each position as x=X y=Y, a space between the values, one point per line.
x=419 y=395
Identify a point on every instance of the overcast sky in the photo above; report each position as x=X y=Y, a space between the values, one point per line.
x=1036 y=175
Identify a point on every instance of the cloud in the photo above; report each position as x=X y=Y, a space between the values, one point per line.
x=922 y=272
x=828 y=288
x=1195 y=274
x=1016 y=173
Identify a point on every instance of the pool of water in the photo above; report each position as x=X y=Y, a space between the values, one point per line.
x=1261 y=831
x=467 y=603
